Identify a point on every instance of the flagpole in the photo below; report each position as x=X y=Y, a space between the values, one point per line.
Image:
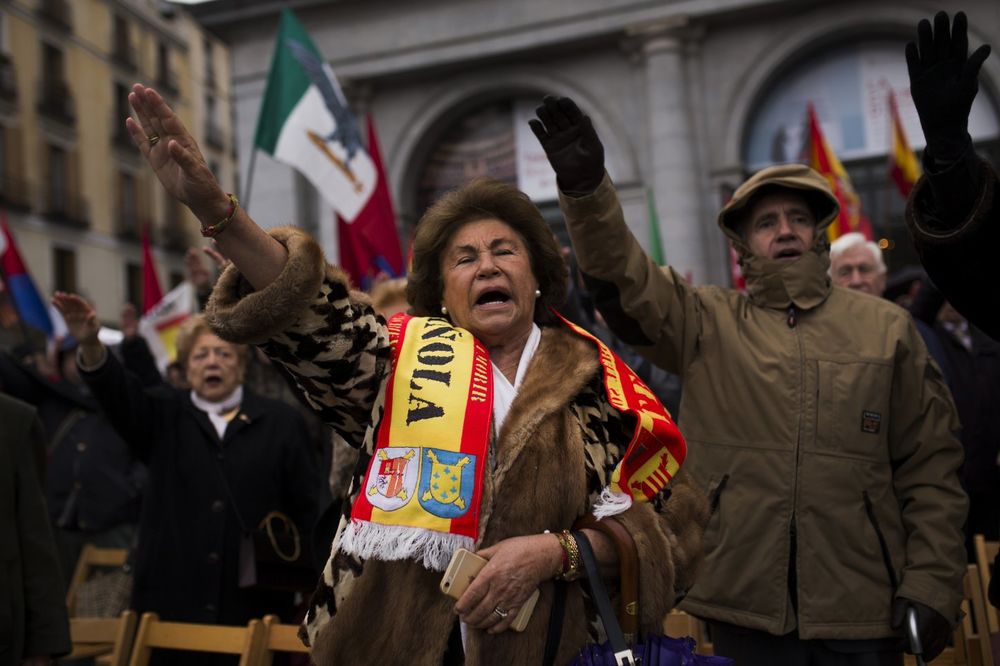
x=249 y=186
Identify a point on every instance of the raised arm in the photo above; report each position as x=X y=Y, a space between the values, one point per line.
x=953 y=213
x=175 y=157
x=649 y=307
x=130 y=409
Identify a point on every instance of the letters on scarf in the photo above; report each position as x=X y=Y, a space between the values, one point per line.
x=424 y=484
x=657 y=448
x=423 y=488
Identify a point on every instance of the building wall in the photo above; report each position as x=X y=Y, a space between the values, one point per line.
x=671 y=86
x=99 y=149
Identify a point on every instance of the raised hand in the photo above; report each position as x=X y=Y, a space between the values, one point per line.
x=129 y=323
x=174 y=155
x=80 y=316
x=944 y=79
x=570 y=143
x=221 y=261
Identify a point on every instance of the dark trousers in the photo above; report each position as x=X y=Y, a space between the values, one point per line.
x=747 y=647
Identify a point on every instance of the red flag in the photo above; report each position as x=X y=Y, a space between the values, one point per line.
x=151 y=292
x=904 y=169
x=370 y=244
x=825 y=161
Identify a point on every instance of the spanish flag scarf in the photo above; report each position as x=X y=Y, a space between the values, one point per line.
x=423 y=488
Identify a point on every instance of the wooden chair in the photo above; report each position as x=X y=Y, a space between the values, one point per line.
x=278 y=637
x=986 y=553
x=677 y=623
x=218 y=639
x=978 y=648
x=105 y=637
x=92 y=557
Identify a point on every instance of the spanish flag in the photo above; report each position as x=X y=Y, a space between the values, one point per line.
x=824 y=161
x=904 y=169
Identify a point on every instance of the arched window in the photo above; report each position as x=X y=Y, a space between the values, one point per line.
x=849 y=87
x=492 y=139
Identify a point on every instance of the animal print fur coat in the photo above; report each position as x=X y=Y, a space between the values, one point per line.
x=551 y=458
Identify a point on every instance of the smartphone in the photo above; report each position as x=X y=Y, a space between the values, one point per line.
x=464 y=566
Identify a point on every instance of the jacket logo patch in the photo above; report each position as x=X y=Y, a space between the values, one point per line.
x=871 y=422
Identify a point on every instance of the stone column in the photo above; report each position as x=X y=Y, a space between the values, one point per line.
x=674 y=169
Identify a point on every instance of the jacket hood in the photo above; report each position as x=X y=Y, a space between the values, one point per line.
x=770 y=283
x=797 y=177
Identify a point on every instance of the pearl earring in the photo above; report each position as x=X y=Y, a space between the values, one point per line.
x=538 y=293
x=444 y=311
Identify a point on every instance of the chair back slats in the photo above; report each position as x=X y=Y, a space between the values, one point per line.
x=103 y=636
x=979 y=648
x=278 y=637
x=92 y=557
x=986 y=553
x=154 y=633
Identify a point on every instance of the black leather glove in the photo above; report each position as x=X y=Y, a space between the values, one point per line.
x=944 y=79
x=570 y=143
x=932 y=627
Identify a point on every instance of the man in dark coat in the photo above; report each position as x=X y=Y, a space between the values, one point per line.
x=35 y=626
x=953 y=212
x=93 y=485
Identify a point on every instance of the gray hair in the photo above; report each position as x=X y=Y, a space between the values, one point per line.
x=854 y=239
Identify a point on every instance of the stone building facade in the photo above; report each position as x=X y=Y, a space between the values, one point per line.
x=689 y=97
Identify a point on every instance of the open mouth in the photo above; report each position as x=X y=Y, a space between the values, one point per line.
x=493 y=297
x=788 y=254
x=213 y=381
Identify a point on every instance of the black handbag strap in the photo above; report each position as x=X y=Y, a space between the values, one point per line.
x=599 y=595
x=216 y=458
x=553 y=638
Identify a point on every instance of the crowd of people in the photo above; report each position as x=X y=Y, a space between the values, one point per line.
x=811 y=495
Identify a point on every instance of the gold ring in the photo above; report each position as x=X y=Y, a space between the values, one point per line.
x=153 y=139
x=501 y=612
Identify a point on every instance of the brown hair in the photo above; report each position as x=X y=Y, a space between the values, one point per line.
x=482 y=199
x=192 y=329
x=388 y=292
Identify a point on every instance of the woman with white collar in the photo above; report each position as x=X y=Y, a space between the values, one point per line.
x=219 y=457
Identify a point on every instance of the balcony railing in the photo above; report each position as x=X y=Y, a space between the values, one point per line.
x=213 y=135
x=166 y=81
x=129 y=223
x=56 y=13
x=124 y=54
x=174 y=237
x=66 y=207
x=56 y=102
x=15 y=192
x=120 y=138
x=8 y=78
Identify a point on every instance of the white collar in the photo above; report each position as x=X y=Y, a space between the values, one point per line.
x=214 y=410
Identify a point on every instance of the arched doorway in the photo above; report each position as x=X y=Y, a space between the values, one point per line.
x=849 y=86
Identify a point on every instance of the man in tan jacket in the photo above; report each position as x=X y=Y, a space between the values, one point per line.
x=813 y=415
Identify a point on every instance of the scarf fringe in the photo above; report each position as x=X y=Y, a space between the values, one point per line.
x=611 y=503
x=396 y=542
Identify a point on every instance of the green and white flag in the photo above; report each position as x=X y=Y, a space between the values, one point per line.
x=305 y=123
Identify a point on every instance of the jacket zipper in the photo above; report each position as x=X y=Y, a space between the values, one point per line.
x=792 y=529
x=713 y=501
x=883 y=546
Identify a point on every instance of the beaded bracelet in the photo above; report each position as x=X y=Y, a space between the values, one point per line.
x=571 y=567
x=213 y=230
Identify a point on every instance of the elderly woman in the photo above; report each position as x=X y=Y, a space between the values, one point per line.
x=483 y=422
x=219 y=457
